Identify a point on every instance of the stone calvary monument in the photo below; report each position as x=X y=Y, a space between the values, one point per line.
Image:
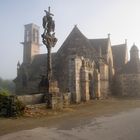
x=48 y=84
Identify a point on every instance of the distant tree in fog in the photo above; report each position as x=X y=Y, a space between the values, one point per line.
x=7 y=84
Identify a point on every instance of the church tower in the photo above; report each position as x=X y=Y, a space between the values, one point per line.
x=31 y=42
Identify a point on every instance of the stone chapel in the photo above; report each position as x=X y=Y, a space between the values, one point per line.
x=84 y=67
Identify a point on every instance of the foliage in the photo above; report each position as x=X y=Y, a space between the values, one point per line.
x=7 y=84
x=10 y=106
x=20 y=107
x=4 y=92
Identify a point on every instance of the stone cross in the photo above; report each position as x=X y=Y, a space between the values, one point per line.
x=49 y=9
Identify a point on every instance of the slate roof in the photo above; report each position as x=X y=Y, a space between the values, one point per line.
x=119 y=55
x=100 y=43
x=77 y=44
x=41 y=59
x=38 y=66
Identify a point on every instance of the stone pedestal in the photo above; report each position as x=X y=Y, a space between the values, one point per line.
x=66 y=99
x=54 y=99
x=53 y=87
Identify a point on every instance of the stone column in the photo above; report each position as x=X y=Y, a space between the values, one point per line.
x=97 y=88
x=85 y=84
x=74 y=78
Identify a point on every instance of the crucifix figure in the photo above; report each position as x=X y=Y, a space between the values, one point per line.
x=49 y=40
x=48 y=23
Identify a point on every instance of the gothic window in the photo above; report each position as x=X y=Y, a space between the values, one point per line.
x=35 y=35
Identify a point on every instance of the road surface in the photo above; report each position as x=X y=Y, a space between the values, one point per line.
x=121 y=126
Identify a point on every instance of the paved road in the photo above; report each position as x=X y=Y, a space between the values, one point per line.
x=123 y=126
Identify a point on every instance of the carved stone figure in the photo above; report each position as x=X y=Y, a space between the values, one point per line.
x=48 y=23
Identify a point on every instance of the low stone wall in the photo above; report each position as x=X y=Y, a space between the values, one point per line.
x=128 y=84
x=55 y=101
x=31 y=99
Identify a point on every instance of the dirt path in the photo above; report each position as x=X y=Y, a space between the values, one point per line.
x=69 y=117
x=120 y=126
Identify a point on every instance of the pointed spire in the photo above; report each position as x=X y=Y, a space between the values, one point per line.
x=75 y=27
x=76 y=30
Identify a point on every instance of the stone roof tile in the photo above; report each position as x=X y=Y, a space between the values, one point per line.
x=77 y=44
x=100 y=43
x=119 y=55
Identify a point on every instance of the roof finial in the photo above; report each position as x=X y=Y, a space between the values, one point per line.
x=133 y=43
x=108 y=35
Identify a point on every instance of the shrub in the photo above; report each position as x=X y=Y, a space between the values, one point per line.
x=4 y=92
x=10 y=106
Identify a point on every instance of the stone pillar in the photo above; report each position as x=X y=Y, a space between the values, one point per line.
x=85 y=84
x=98 y=94
x=74 y=78
x=104 y=80
x=97 y=87
x=53 y=98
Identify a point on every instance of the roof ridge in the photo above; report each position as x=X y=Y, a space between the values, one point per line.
x=118 y=45
x=98 y=39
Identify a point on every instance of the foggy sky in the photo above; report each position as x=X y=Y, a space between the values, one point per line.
x=95 y=18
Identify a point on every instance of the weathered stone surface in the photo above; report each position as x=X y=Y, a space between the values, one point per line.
x=66 y=99
x=128 y=84
x=31 y=99
x=127 y=81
